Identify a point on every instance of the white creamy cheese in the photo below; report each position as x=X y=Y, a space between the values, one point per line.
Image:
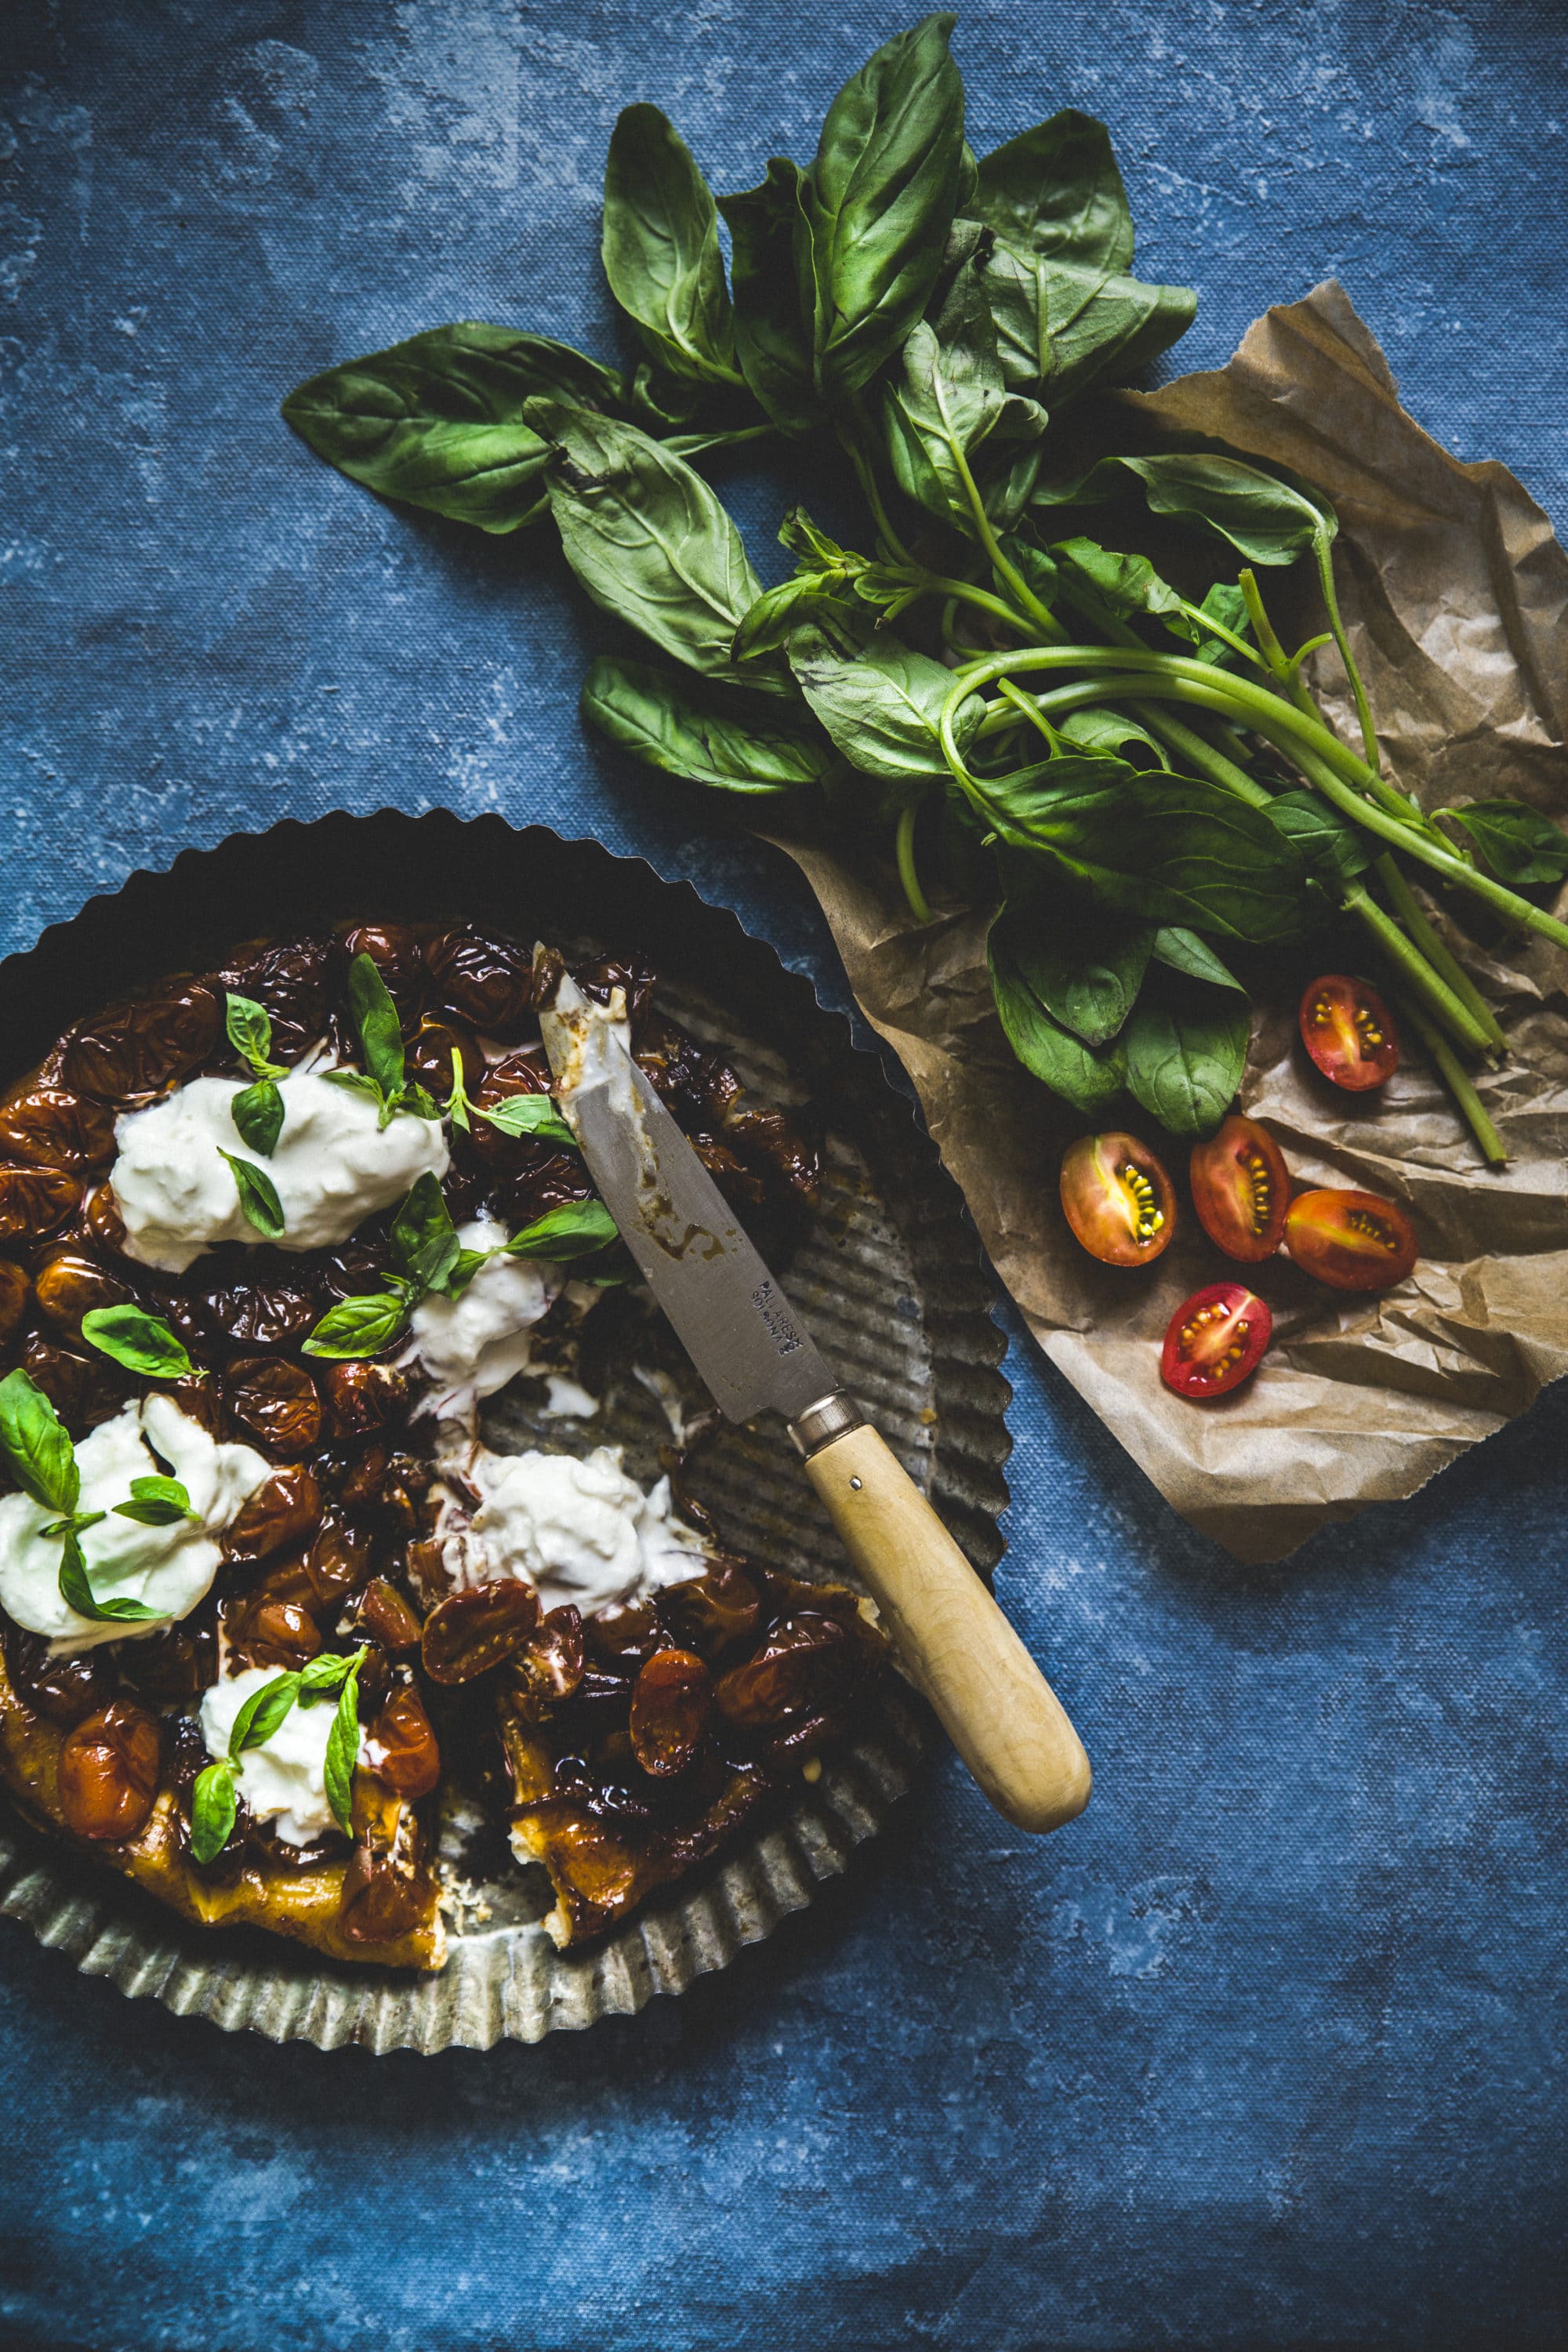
x=581 y=1531
x=472 y=1345
x=167 y=1568
x=333 y=1166
x=284 y=1779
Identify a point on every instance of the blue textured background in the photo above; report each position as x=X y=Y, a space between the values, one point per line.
x=1268 y=2050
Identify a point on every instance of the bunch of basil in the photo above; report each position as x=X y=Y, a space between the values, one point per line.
x=1172 y=795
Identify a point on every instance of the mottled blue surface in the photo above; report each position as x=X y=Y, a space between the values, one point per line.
x=1266 y=2050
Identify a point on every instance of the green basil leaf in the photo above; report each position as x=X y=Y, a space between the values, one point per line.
x=1160 y=848
x=879 y=201
x=1228 y=606
x=1182 y=951
x=769 y=271
x=328 y=1672
x=1269 y=520
x=380 y=1030
x=74 y=1524
x=949 y=400
x=263 y=1713
x=342 y=1750
x=38 y=1453
x=779 y=612
x=258 y=1113
x=661 y=248
x=1084 y=970
x=573 y=1229
x=1056 y=190
x=1333 y=848
x=1087 y=1080
x=77 y=1592
x=1119 y=587
x=156 y=1503
x=1523 y=847
x=1183 y=1052
x=665 y=720
x=533 y=1114
x=257 y=1195
x=214 y=1804
x=812 y=548
x=424 y=1235
x=438 y=421
x=1107 y=733
x=355 y=1081
x=882 y=710
x=650 y=540
x=360 y=1327
x=143 y=1343
x=249 y=1028
x=1061 y=328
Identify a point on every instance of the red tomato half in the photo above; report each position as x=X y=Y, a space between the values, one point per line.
x=1351 y=1240
x=1240 y=1189
x=1216 y=1341
x=1118 y=1199
x=1349 y=1032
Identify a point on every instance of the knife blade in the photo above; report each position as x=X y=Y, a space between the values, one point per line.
x=749 y=1345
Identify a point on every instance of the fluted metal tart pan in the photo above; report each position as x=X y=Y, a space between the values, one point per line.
x=889 y=1279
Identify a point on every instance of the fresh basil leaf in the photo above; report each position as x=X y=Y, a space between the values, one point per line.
x=156 y=1503
x=258 y=1113
x=355 y=1082
x=1184 y=1052
x=949 y=400
x=1056 y=190
x=1226 y=606
x=1523 y=847
x=770 y=272
x=263 y=1713
x=143 y=1343
x=1107 y=733
x=1160 y=848
x=880 y=200
x=778 y=613
x=249 y=1028
x=37 y=1451
x=1085 y=971
x=1269 y=520
x=661 y=248
x=77 y=1592
x=424 y=1235
x=573 y=1229
x=1333 y=849
x=214 y=1805
x=1182 y=951
x=438 y=421
x=257 y=1195
x=328 y=1672
x=1087 y=1080
x=380 y=1030
x=531 y=1114
x=649 y=540
x=812 y=548
x=667 y=722
x=342 y=1750
x=882 y=710
x=73 y=1525
x=1119 y=587
x=1061 y=328
x=360 y=1327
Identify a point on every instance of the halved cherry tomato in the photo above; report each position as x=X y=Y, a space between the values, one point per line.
x=1118 y=1199
x=1349 y=1032
x=1215 y=1341
x=1240 y=1189
x=1352 y=1241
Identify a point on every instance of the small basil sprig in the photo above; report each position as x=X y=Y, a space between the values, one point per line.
x=535 y=1116
x=576 y=1229
x=157 y=1503
x=42 y=1459
x=429 y=1254
x=143 y=1343
x=385 y=1074
x=215 y=1800
x=257 y=1195
x=258 y=1109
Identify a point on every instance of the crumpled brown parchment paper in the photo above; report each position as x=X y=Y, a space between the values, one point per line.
x=1455 y=592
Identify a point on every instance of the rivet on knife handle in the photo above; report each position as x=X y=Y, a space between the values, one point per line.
x=995 y=1704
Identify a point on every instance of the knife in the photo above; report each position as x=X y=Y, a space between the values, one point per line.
x=750 y=1347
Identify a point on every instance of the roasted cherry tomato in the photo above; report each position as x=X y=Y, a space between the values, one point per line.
x=1240 y=1189
x=1215 y=1341
x=1118 y=1199
x=1349 y=1032
x=1351 y=1240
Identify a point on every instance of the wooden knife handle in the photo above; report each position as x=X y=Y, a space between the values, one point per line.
x=997 y=1706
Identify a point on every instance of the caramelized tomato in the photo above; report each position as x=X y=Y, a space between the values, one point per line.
x=1241 y=1190
x=1216 y=1341
x=108 y=1771
x=1118 y=1199
x=1349 y=1032
x=1351 y=1241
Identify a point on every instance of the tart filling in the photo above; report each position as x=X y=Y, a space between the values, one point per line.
x=271 y=1607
